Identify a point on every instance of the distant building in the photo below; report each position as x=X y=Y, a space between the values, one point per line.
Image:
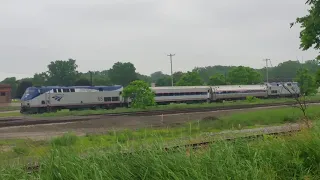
x=5 y=93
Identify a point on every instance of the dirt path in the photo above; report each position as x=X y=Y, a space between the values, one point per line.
x=103 y=125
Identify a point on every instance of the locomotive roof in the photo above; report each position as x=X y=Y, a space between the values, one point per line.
x=104 y=88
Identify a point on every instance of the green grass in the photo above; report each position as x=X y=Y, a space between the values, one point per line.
x=295 y=157
x=194 y=131
x=9 y=108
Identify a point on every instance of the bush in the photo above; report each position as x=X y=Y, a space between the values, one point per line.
x=251 y=99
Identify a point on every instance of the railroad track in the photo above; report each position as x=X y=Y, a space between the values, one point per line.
x=23 y=121
x=260 y=132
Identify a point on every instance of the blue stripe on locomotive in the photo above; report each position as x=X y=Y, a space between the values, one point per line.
x=33 y=92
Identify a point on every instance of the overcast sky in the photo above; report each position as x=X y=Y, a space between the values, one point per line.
x=98 y=33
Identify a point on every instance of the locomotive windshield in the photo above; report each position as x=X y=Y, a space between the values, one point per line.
x=30 y=93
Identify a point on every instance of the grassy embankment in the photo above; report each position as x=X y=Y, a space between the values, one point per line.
x=9 y=108
x=269 y=158
x=159 y=107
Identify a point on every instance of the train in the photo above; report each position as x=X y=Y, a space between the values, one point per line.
x=53 y=98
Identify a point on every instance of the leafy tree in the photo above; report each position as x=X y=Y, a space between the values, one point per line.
x=157 y=75
x=62 y=72
x=177 y=76
x=217 y=79
x=310 y=25
x=318 y=78
x=285 y=71
x=190 y=79
x=40 y=79
x=312 y=66
x=122 y=73
x=82 y=82
x=140 y=94
x=12 y=81
x=306 y=82
x=164 y=81
x=244 y=75
x=98 y=78
x=23 y=85
x=144 y=78
x=207 y=72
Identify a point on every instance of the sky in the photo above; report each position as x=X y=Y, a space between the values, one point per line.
x=98 y=33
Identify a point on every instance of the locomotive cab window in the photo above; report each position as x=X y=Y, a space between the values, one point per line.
x=107 y=99
x=115 y=98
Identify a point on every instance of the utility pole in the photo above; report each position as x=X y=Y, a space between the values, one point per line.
x=267 y=68
x=171 y=67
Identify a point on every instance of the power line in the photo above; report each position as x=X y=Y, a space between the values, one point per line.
x=171 y=67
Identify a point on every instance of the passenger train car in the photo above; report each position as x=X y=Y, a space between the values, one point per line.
x=232 y=92
x=53 y=98
x=174 y=94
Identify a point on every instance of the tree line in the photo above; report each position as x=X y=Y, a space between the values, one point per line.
x=65 y=73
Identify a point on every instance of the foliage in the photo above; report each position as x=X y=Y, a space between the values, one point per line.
x=318 y=77
x=99 y=78
x=244 y=75
x=209 y=71
x=140 y=94
x=122 y=73
x=190 y=79
x=40 y=79
x=164 y=81
x=62 y=73
x=157 y=75
x=82 y=82
x=217 y=79
x=285 y=71
x=144 y=78
x=20 y=150
x=251 y=99
x=310 y=25
x=177 y=76
x=282 y=157
x=23 y=85
x=67 y=139
x=306 y=82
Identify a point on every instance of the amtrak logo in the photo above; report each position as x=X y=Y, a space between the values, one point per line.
x=58 y=97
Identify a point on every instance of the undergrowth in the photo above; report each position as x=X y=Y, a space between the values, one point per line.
x=295 y=157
